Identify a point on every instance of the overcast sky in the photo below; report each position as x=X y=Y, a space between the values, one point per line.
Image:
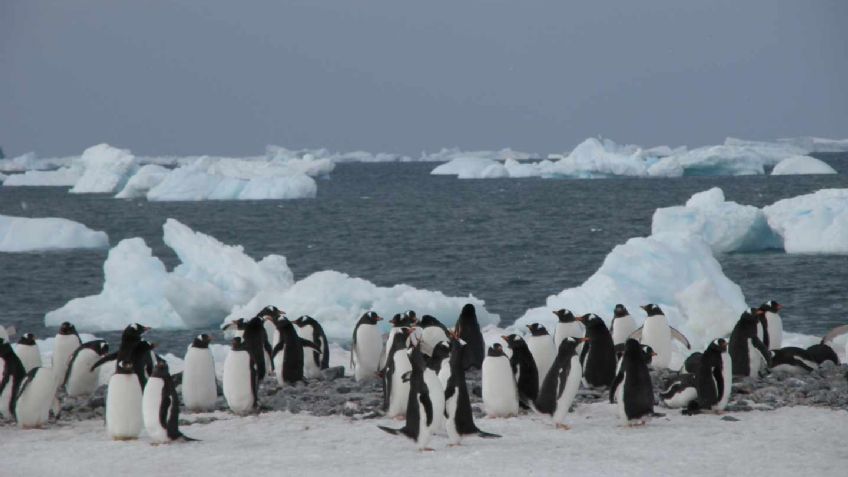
x=226 y=77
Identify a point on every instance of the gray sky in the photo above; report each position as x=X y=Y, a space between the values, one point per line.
x=224 y=77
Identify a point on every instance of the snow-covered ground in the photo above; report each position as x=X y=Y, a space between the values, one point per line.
x=24 y=234
x=787 y=441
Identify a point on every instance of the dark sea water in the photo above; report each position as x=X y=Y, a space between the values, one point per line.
x=511 y=242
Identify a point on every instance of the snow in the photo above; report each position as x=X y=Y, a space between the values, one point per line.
x=812 y=223
x=23 y=234
x=62 y=177
x=106 y=170
x=788 y=441
x=801 y=165
x=816 y=144
x=146 y=178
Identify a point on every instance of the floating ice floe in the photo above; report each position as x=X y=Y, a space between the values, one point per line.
x=798 y=165
x=31 y=162
x=812 y=223
x=146 y=178
x=62 y=177
x=23 y=234
x=106 y=169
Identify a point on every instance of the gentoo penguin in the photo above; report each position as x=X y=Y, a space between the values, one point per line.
x=824 y=350
x=523 y=369
x=657 y=334
x=288 y=355
x=160 y=407
x=395 y=389
x=433 y=332
x=367 y=347
x=632 y=388
x=123 y=403
x=318 y=358
x=130 y=338
x=440 y=362
x=714 y=377
x=255 y=340
x=748 y=354
x=67 y=341
x=680 y=392
x=561 y=383
x=542 y=348
x=240 y=379
x=11 y=378
x=773 y=324
x=792 y=360
x=80 y=379
x=434 y=364
x=459 y=420
x=271 y=334
x=598 y=355
x=500 y=394
x=27 y=349
x=623 y=325
x=400 y=323
x=144 y=358
x=419 y=408
x=690 y=365
x=199 y=387
x=35 y=398
x=567 y=327
x=468 y=329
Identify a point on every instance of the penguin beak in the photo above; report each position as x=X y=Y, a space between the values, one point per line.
x=503 y=337
x=528 y=326
x=584 y=340
x=779 y=307
x=653 y=353
x=644 y=307
x=378 y=318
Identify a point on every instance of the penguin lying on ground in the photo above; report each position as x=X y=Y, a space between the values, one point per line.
x=632 y=388
x=561 y=383
x=523 y=369
x=824 y=351
x=713 y=380
x=419 y=408
x=679 y=391
x=160 y=406
x=459 y=418
x=793 y=360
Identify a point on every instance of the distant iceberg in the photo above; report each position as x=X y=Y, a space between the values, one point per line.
x=106 y=169
x=23 y=234
x=816 y=144
x=812 y=223
x=62 y=177
x=798 y=165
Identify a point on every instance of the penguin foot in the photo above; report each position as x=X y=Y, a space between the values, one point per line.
x=399 y=418
x=564 y=427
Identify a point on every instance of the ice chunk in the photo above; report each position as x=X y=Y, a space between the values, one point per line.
x=273 y=152
x=146 y=178
x=106 y=170
x=30 y=161
x=595 y=158
x=812 y=223
x=735 y=157
x=449 y=154
x=801 y=165
x=472 y=168
x=23 y=234
x=62 y=177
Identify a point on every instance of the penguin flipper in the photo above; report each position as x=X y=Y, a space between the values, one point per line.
x=679 y=337
x=829 y=337
x=309 y=344
x=105 y=359
x=637 y=335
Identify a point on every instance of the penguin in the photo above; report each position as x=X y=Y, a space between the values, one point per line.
x=65 y=344
x=130 y=338
x=567 y=327
x=400 y=323
x=824 y=350
x=632 y=388
x=523 y=370
x=468 y=329
x=27 y=349
x=31 y=406
x=541 y=347
x=123 y=403
x=433 y=332
x=562 y=382
x=255 y=340
x=680 y=392
x=657 y=334
x=623 y=325
x=459 y=420
x=240 y=379
x=773 y=335
x=80 y=379
x=395 y=390
x=419 y=408
x=440 y=363
x=11 y=378
x=160 y=407
x=319 y=358
x=748 y=354
x=598 y=355
x=434 y=364
x=714 y=377
x=288 y=355
x=199 y=386
x=792 y=360
x=690 y=365
x=500 y=394
x=367 y=347
x=271 y=333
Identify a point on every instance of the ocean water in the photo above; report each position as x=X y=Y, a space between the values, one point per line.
x=511 y=242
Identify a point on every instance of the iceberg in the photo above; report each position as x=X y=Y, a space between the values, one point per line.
x=273 y=152
x=30 y=161
x=597 y=158
x=801 y=165
x=449 y=154
x=22 y=234
x=472 y=168
x=812 y=223
x=62 y=177
x=146 y=178
x=106 y=170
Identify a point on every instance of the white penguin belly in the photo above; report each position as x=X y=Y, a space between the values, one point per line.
x=400 y=390
x=29 y=355
x=33 y=406
x=727 y=379
x=123 y=407
x=82 y=381
x=369 y=349
x=500 y=394
x=450 y=422
x=543 y=351
x=437 y=398
x=424 y=431
x=279 y=362
x=682 y=398
x=237 y=386
x=199 y=388
x=311 y=370
x=431 y=336
x=151 y=400
x=623 y=328
x=619 y=399
x=385 y=355
x=567 y=330
x=755 y=360
x=572 y=385
x=775 y=330
x=657 y=335
x=63 y=348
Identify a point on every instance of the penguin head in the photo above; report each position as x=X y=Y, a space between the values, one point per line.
x=496 y=350
x=201 y=341
x=652 y=309
x=396 y=320
x=771 y=306
x=751 y=316
x=564 y=316
x=136 y=329
x=101 y=348
x=719 y=345
x=67 y=329
x=649 y=353
x=27 y=339
x=514 y=340
x=124 y=367
x=591 y=320
x=632 y=345
x=410 y=316
x=428 y=321
x=237 y=324
x=303 y=320
x=537 y=329
x=160 y=370
x=468 y=312
x=370 y=318
x=271 y=311
x=619 y=311
x=568 y=347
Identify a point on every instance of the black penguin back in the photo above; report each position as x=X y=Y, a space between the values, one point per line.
x=468 y=329
x=598 y=356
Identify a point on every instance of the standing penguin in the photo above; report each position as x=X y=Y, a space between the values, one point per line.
x=130 y=338
x=317 y=358
x=395 y=389
x=27 y=349
x=123 y=404
x=288 y=355
x=598 y=355
x=714 y=377
x=80 y=379
x=11 y=378
x=400 y=324
x=66 y=343
x=748 y=354
x=468 y=329
x=657 y=334
x=419 y=409
x=459 y=420
x=35 y=398
x=541 y=347
x=622 y=326
x=433 y=332
x=255 y=340
x=269 y=315
x=632 y=388
x=240 y=379
x=367 y=347
x=773 y=336
x=567 y=327
x=523 y=370
x=500 y=395
x=160 y=407
x=440 y=363
x=199 y=387
x=561 y=383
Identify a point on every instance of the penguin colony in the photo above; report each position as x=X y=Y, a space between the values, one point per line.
x=421 y=363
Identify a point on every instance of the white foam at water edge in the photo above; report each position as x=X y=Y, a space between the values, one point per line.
x=24 y=234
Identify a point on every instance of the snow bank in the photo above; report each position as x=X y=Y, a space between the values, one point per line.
x=725 y=226
x=812 y=223
x=816 y=144
x=22 y=234
x=146 y=178
x=106 y=170
x=62 y=177
x=801 y=165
